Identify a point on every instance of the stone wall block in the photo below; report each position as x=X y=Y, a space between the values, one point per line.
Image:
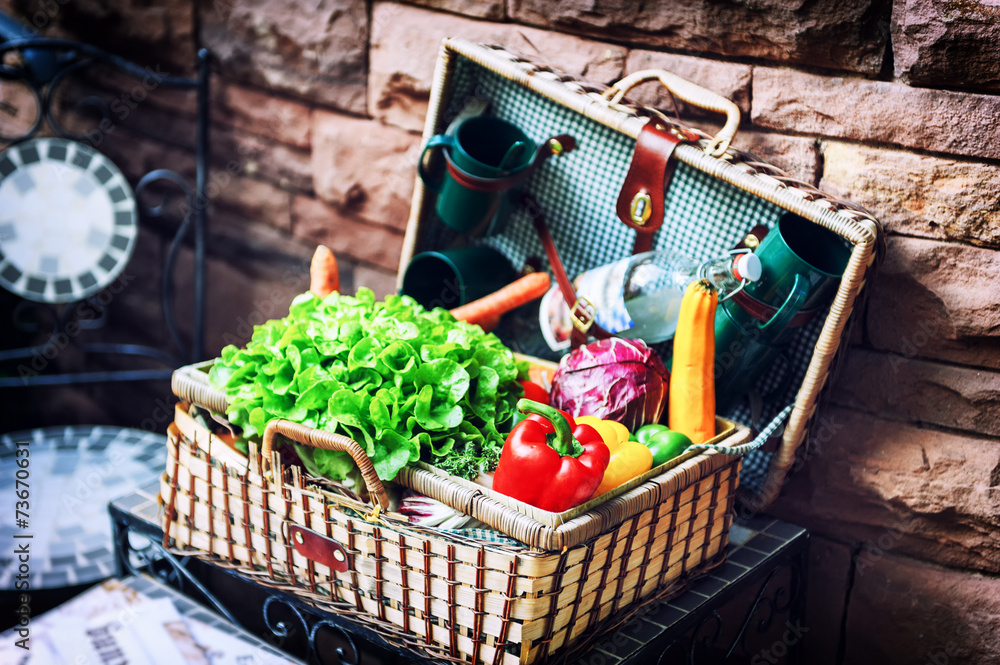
x=918 y=195
x=904 y=612
x=937 y=300
x=161 y=124
x=379 y=280
x=797 y=156
x=316 y=222
x=920 y=391
x=137 y=155
x=273 y=117
x=256 y=200
x=826 y=33
x=232 y=104
x=895 y=487
x=947 y=44
x=406 y=42
x=240 y=295
x=493 y=10
x=877 y=112
x=364 y=167
x=316 y=51
x=260 y=156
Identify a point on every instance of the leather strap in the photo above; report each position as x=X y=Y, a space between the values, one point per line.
x=640 y=201
x=764 y=312
x=640 y=206
x=556 y=145
x=758 y=232
x=577 y=337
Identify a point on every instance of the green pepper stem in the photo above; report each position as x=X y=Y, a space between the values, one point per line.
x=563 y=441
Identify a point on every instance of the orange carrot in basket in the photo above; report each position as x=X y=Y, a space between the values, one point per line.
x=488 y=308
x=324 y=277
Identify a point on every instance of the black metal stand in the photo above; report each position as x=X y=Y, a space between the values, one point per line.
x=42 y=66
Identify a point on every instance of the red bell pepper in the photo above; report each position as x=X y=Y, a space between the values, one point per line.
x=550 y=462
x=535 y=392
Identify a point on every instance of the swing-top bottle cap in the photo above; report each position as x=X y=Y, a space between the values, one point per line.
x=747 y=266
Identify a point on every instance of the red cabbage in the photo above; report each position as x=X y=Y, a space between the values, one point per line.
x=613 y=379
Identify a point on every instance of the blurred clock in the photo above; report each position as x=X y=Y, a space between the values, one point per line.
x=67 y=220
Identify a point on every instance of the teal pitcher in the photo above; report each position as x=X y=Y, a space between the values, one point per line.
x=802 y=263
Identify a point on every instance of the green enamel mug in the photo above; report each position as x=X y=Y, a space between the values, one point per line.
x=801 y=266
x=452 y=277
x=484 y=147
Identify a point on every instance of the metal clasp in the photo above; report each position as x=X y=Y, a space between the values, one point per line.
x=641 y=209
x=743 y=282
x=583 y=314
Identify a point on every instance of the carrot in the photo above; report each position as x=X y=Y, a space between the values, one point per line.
x=324 y=278
x=490 y=323
x=490 y=308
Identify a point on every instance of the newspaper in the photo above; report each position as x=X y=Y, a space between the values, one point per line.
x=113 y=624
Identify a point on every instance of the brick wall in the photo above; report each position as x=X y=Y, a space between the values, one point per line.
x=894 y=104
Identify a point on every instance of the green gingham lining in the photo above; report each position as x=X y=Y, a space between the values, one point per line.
x=578 y=191
x=486 y=535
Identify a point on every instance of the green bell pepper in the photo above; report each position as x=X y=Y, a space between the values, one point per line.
x=663 y=442
x=647 y=432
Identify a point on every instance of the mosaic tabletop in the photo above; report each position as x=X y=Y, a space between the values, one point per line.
x=70 y=476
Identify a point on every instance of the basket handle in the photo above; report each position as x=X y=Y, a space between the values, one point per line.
x=326 y=441
x=690 y=93
x=750 y=446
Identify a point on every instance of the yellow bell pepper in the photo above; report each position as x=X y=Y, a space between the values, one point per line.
x=612 y=432
x=628 y=458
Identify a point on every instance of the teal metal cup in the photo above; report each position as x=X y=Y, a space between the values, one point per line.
x=801 y=266
x=453 y=277
x=483 y=147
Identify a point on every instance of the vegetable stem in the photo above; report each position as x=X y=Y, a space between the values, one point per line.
x=563 y=440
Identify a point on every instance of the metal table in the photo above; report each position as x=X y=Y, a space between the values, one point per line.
x=57 y=481
x=749 y=609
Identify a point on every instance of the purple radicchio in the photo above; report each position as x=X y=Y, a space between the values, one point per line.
x=613 y=379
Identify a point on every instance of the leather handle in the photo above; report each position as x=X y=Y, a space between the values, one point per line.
x=326 y=441
x=688 y=92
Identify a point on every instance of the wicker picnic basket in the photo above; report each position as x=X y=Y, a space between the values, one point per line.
x=458 y=598
x=530 y=588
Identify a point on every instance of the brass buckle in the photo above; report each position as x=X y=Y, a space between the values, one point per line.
x=641 y=208
x=583 y=313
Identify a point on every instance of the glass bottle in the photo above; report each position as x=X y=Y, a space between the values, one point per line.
x=640 y=297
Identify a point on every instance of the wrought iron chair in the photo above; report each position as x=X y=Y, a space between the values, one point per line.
x=68 y=223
